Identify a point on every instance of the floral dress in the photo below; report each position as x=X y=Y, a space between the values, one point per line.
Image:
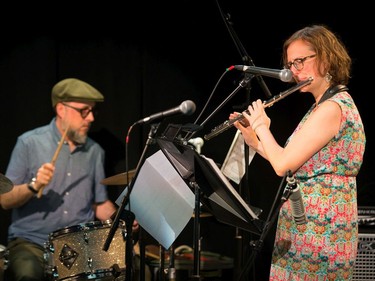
x=325 y=247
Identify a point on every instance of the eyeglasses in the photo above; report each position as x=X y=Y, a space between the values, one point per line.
x=299 y=63
x=83 y=111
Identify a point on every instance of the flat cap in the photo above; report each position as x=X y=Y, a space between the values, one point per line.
x=72 y=89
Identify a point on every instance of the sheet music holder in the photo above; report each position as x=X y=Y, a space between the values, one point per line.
x=177 y=150
x=161 y=200
x=222 y=199
x=219 y=196
x=181 y=157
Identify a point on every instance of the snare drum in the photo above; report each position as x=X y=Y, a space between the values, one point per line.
x=76 y=253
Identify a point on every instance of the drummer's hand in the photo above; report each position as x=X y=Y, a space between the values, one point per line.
x=44 y=175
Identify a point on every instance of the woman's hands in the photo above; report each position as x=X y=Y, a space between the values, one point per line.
x=251 y=122
x=257 y=116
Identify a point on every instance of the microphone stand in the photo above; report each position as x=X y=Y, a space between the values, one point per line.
x=241 y=85
x=245 y=56
x=238 y=237
x=129 y=216
x=247 y=60
x=238 y=261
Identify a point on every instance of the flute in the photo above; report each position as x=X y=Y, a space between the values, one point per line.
x=229 y=123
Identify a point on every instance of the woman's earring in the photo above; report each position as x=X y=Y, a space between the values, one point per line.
x=328 y=77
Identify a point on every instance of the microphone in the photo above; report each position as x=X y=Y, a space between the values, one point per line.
x=285 y=75
x=197 y=143
x=186 y=108
x=298 y=209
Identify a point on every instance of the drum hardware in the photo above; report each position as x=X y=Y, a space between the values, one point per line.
x=116 y=270
x=68 y=256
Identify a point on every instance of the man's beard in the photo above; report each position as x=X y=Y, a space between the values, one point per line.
x=77 y=138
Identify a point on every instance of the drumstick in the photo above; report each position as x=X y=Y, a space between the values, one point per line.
x=54 y=158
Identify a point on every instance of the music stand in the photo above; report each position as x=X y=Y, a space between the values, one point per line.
x=181 y=156
x=210 y=187
x=219 y=196
x=222 y=199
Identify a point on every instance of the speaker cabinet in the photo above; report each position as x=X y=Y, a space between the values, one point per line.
x=365 y=261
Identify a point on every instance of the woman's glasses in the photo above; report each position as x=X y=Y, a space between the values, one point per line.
x=299 y=62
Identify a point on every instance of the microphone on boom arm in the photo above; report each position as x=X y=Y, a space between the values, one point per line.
x=285 y=75
x=186 y=108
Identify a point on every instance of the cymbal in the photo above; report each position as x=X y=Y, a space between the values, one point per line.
x=5 y=184
x=119 y=179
